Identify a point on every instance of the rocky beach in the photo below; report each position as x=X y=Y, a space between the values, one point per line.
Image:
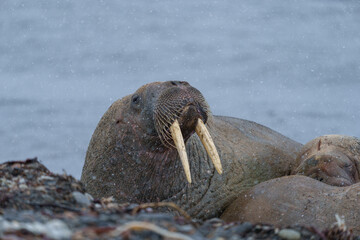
x=38 y=204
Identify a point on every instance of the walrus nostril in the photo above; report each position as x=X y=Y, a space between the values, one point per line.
x=179 y=83
x=184 y=83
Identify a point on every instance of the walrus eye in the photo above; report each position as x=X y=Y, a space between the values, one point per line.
x=348 y=167
x=135 y=99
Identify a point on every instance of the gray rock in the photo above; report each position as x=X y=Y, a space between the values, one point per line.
x=40 y=189
x=81 y=198
x=88 y=195
x=57 y=229
x=243 y=228
x=23 y=186
x=289 y=234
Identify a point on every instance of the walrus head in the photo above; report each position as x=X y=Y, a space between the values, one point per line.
x=175 y=110
x=140 y=138
x=332 y=159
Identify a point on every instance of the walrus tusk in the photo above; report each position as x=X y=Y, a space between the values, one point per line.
x=209 y=145
x=180 y=146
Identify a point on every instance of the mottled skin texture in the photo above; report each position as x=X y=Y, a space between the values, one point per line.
x=290 y=200
x=332 y=159
x=297 y=200
x=127 y=160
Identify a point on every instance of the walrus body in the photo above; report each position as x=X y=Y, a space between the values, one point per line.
x=131 y=157
x=332 y=164
x=297 y=200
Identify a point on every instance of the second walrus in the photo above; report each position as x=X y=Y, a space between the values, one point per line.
x=330 y=187
x=137 y=152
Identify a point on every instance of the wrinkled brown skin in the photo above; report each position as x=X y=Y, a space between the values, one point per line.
x=297 y=199
x=126 y=159
x=332 y=159
x=332 y=162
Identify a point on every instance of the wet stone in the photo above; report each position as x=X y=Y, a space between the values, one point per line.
x=57 y=229
x=158 y=216
x=46 y=199
x=23 y=186
x=243 y=228
x=22 y=181
x=81 y=199
x=40 y=188
x=185 y=228
x=89 y=196
x=289 y=234
x=108 y=218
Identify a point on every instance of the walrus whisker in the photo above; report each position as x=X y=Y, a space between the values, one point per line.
x=165 y=135
x=180 y=146
x=162 y=125
x=165 y=116
x=209 y=145
x=167 y=140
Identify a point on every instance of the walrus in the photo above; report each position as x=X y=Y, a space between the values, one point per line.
x=162 y=143
x=326 y=184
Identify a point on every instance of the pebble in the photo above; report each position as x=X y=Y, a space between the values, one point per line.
x=40 y=189
x=158 y=216
x=47 y=198
x=88 y=195
x=55 y=229
x=44 y=177
x=81 y=198
x=186 y=228
x=243 y=228
x=289 y=234
x=23 y=186
x=8 y=183
x=22 y=181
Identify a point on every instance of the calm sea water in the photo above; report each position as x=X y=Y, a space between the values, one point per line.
x=291 y=65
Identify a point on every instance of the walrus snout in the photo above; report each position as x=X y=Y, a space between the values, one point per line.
x=188 y=120
x=180 y=111
x=330 y=168
x=179 y=102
